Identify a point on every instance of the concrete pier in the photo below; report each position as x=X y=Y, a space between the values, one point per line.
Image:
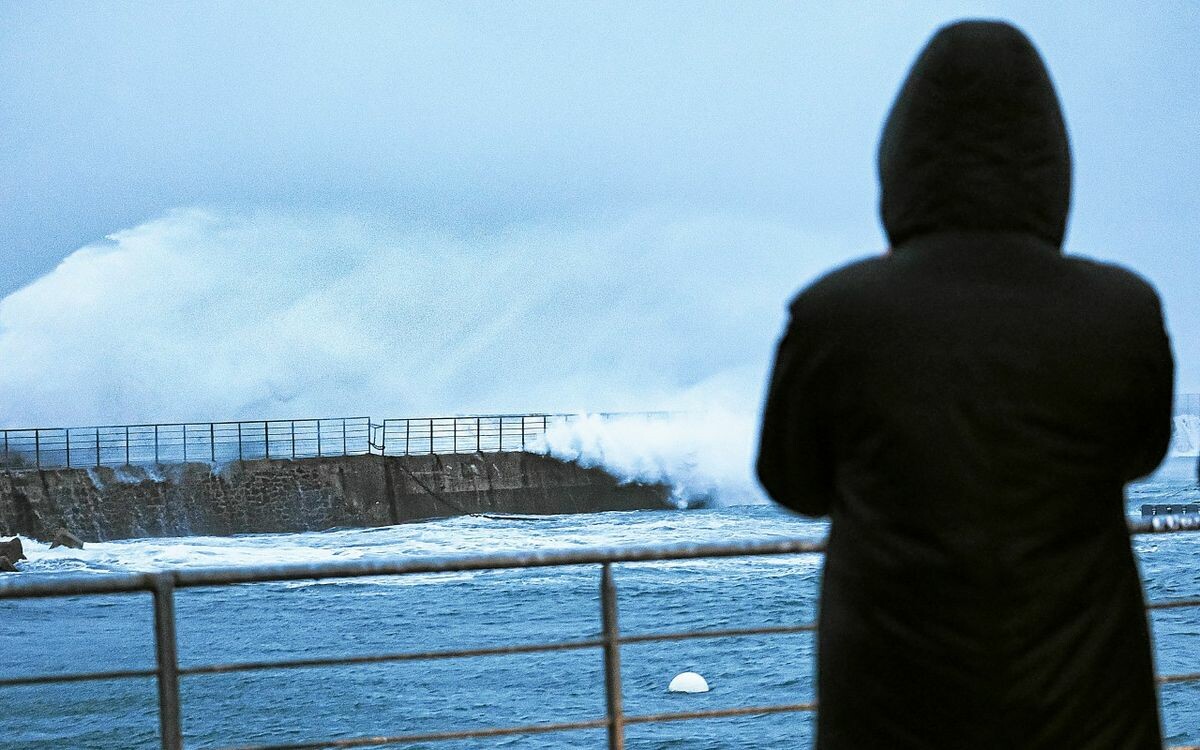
x=308 y=494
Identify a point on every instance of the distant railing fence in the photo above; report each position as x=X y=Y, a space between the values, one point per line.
x=479 y=434
x=210 y=442
x=221 y=442
x=402 y=437
x=1187 y=403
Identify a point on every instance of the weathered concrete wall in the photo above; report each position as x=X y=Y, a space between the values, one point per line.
x=303 y=495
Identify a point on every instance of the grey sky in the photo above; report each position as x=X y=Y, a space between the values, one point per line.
x=479 y=117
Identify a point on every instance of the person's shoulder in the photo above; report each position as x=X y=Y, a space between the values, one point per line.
x=1113 y=280
x=843 y=284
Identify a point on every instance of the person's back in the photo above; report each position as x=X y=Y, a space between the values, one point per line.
x=967 y=409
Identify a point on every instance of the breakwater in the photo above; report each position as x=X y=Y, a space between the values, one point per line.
x=268 y=495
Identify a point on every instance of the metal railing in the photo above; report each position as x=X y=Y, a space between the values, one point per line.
x=221 y=442
x=162 y=586
x=477 y=433
x=405 y=437
x=184 y=442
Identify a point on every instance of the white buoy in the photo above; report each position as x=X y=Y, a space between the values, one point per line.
x=688 y=682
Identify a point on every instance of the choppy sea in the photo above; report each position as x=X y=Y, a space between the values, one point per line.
x=467 y=610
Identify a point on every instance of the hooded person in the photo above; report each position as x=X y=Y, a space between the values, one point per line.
x=967 y=409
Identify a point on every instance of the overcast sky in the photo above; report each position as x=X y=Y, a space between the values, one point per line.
x=484 y=120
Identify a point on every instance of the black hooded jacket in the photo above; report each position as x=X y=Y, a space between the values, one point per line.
x=967 y=409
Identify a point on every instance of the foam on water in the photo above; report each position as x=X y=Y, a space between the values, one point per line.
x=706 y=456
x=453 y=536
x=1175 y=481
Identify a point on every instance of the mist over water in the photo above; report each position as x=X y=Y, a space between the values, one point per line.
x=203 y=315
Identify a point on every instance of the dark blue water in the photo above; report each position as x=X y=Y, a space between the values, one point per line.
x=277 y=621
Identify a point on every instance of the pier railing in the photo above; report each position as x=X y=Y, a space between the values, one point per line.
x=162 y=587
x=183 y=442
x=222 y=442
x=479 y=434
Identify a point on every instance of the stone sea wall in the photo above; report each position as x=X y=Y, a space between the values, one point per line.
x=106 y=503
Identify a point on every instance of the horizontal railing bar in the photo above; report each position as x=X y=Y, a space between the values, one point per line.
x=729 y=633
x=465 y=734
x=532 y=415
x=549 y=558
x=1173 y=604
x=185 y=424
x=72 y=585
x=332 y=661
x=105 y=583
x=125 y=674
x=1172 y=679
x=718 y=713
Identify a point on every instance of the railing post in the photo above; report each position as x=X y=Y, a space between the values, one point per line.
x=170 y=729
x=344 y=451
x=126 y=445
x=267 y=439
x=185 y=443
x=156 y=445
x=68 y=431
x=500 y=445
x=407 y=422
x=294 y=440
x=239 y=441
x=455 y=430
x=522 y=432
x=431 y=436
x=318 y=438
x=612 y=660
x=478 y=443
x=97 y=447
x=37 y=448
x=212 y=443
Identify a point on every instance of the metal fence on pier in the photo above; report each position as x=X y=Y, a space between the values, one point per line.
x=221 y=442
x=162 y=587
x=477 y=434
x=205 y=442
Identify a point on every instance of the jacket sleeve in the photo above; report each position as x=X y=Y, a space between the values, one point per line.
x=795 y=460
x=1148 y=425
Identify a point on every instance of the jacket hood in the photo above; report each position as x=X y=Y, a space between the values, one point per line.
x=975 y=140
